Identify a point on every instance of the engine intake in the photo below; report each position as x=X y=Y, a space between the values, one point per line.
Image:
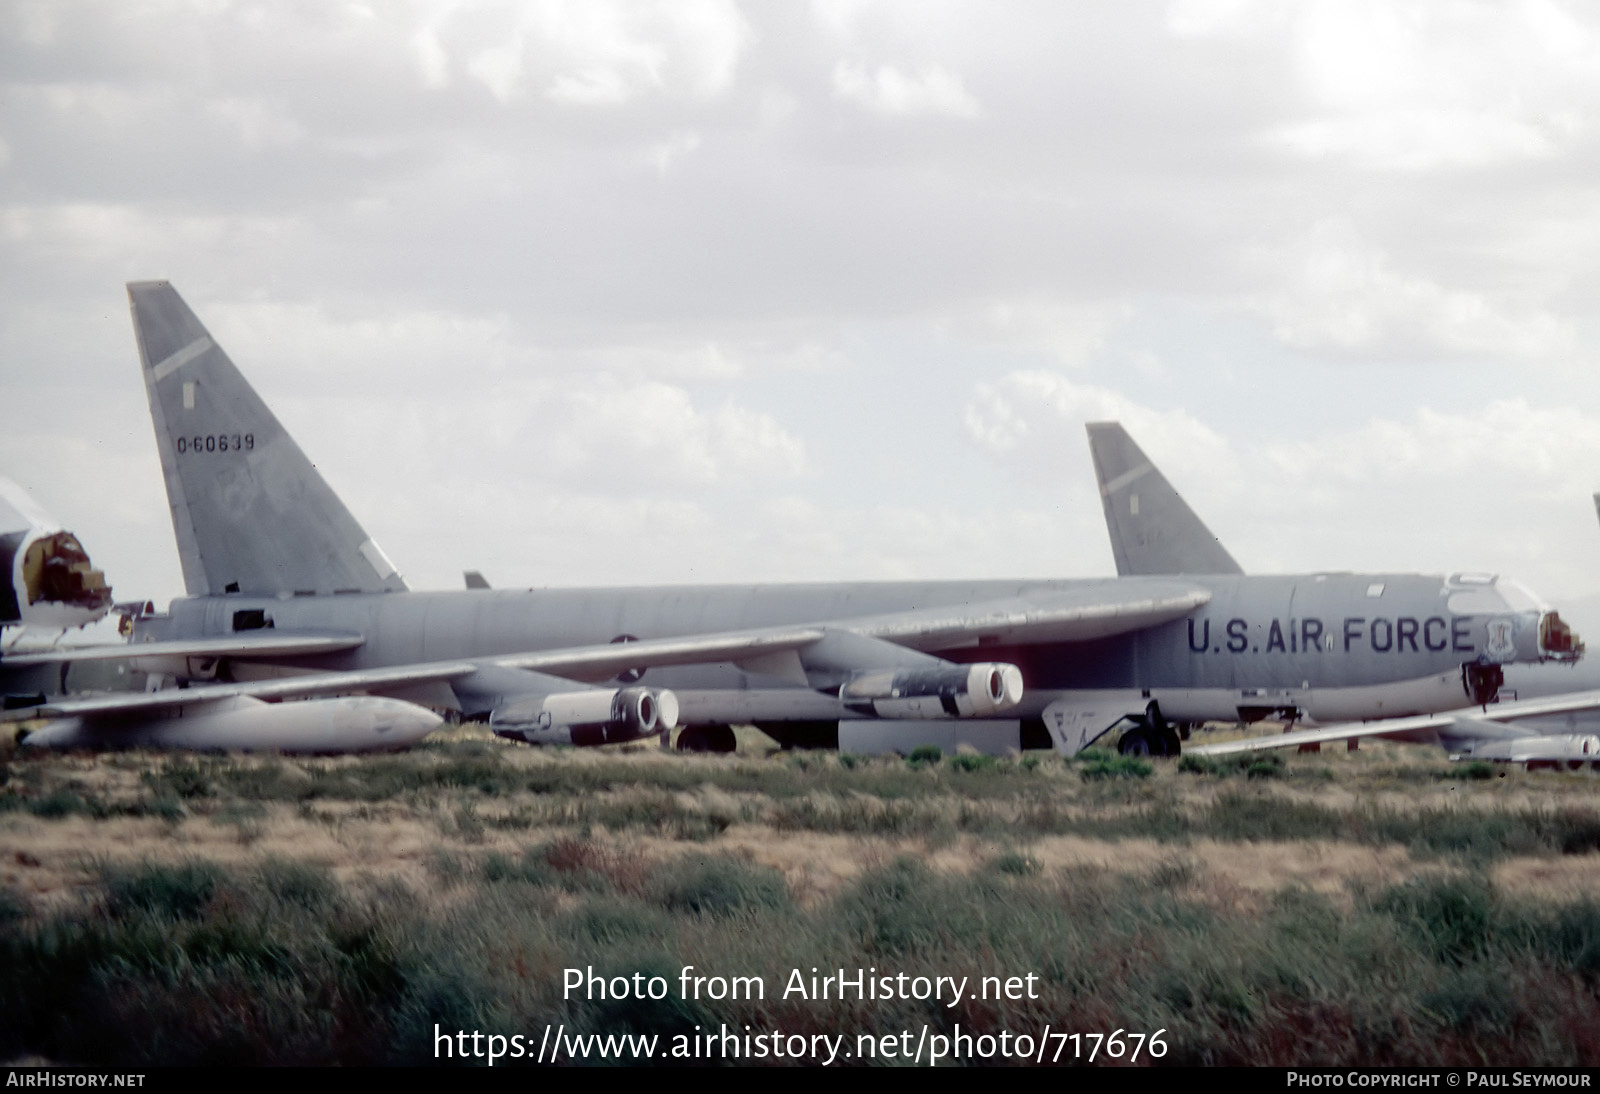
x=957 y=691
x=596 y=716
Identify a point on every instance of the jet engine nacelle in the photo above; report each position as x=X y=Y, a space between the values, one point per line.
x=598 y=716
x=354 y=724
x=959 y=691
x=1564 y=748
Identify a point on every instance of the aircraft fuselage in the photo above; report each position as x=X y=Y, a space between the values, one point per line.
x=1329 y=645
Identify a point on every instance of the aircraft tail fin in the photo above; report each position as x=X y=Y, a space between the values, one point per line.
x=1153 y=530
x=252 y=515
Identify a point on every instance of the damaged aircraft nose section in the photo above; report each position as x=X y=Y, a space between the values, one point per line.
x=56 y=570
x=1517 y=626
x=1557 y=641
x=49 y=580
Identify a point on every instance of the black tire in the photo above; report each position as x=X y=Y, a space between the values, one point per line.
x=1150 y=741
x=1135 y=742
x=707 y=739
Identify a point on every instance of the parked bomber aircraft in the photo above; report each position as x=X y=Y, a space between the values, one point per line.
x=287 y=595
x=1153 y=532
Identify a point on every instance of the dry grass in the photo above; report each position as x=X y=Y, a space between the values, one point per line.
x=1232 y=906
x=816 y=822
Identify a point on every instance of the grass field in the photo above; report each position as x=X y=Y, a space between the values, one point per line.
x=1376 y=907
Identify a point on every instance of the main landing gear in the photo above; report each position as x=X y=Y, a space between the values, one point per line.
x=707 y=739
x=1149 y=734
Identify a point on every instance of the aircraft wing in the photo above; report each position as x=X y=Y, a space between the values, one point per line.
x=1497 y=721
x=1066 y=616
x=604 y=661
x=1069 y=615
x=247 y=645
x=1422 y=728
x=1056 y=616
x=289 y=687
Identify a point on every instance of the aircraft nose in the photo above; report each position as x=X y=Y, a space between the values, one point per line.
x=1557 y=641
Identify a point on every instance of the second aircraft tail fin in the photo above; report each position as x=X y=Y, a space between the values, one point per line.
x=1153 y=530
x=251 y=513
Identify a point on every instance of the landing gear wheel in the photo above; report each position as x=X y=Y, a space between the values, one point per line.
x=1162 y=734
x=707 y=739
x=1150 y=740
x=1135 y=742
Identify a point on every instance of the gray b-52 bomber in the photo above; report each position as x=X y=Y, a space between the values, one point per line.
x=288 y=597
x=1546 y=721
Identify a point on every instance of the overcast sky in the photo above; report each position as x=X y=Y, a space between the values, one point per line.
x=619 y=292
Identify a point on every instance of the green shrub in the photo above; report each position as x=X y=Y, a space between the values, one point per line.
x=970 y=763
x=1115 y=767
x=721 y=887
x=1016 y=864
x=178 y=891
x=1451 y=917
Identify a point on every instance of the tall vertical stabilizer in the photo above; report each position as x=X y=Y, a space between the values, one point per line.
x=251 y=513
x=1153 y=530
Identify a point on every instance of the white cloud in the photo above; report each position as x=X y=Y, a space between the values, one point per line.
x=432 y=60
x=665 y=154
x=1336 y=292
x=1504 y=487
x=1419 y=86
x=1068 y=331
x=886 y=90
x=1415 y=86
x=591 y=265
x=259 y=125
x=587 y=53
x=1027 y=411
x=651 y=435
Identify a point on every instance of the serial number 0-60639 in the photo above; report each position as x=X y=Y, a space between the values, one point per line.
x=217 y=442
